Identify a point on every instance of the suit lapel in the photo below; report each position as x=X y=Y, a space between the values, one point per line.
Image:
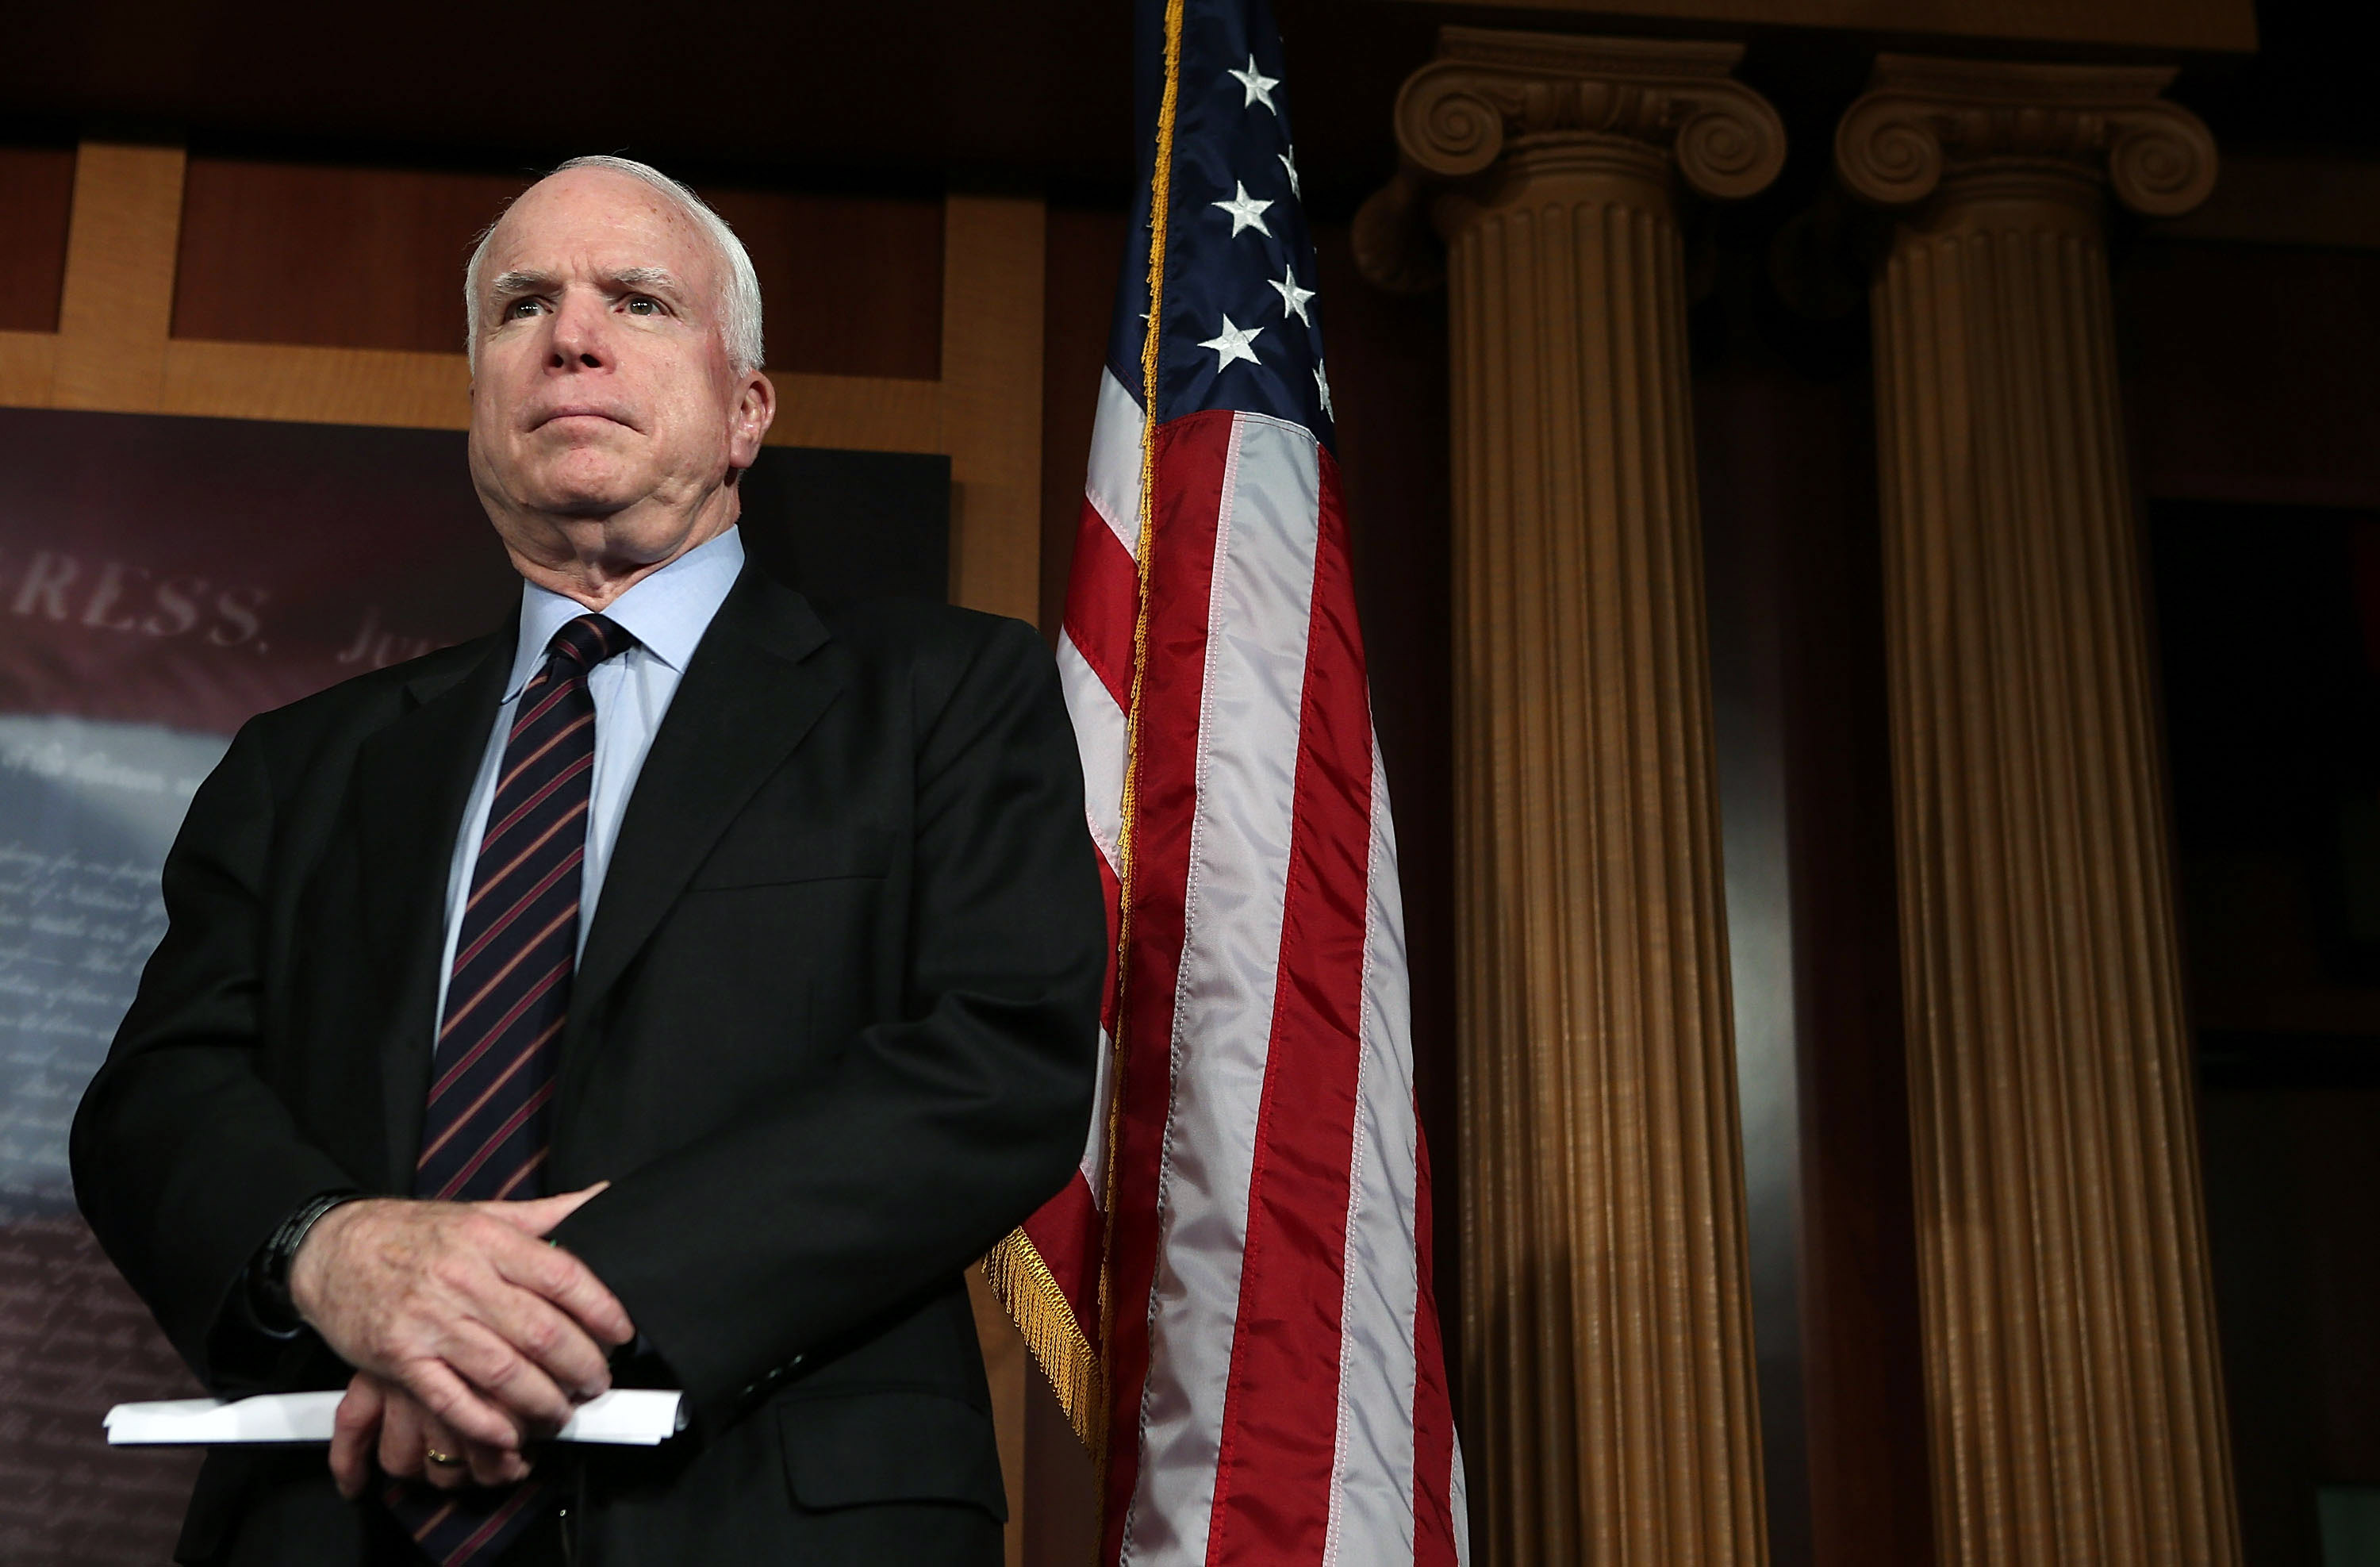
x=412 y=779
x=751 y=691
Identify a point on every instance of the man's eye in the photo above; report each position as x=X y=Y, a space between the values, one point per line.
x=520 y=309
x=640 y=305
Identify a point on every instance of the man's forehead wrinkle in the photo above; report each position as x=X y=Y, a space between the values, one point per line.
x=533 y=280
x=549 y=247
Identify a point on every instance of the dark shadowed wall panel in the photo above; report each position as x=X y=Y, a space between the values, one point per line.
x=2293 y=1201
x=1870 y=1486
x=1085 y=247
x=2249 y=385
x=1386 y=357
x=36 y=195
x=2269 y=397
x=1792 y=552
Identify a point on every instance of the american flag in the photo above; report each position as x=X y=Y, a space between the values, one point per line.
x=1232 y=1297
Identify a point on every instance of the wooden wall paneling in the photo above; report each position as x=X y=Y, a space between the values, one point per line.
x=36 y=201
x=854 y=283
x=857 y=413
x=117 y=296
x=271 y=380
x=991 y=400
x=281 y=252
x=28 y=365
x=329 y=255
x=122 y=292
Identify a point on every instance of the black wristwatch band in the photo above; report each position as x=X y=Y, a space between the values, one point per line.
x=269 y=1273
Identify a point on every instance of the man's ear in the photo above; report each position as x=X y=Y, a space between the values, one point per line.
x=755 y=409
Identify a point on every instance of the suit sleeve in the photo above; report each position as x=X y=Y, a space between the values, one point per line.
x=939 y=1134
x=185 y=1159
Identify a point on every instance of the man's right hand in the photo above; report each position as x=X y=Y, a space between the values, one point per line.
x=495 y=1333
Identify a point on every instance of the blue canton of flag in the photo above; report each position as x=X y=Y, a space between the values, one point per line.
x=1243 y=328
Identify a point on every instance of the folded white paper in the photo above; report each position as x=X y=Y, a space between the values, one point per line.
x=624 y=1417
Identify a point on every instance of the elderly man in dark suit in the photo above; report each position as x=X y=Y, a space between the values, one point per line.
x=679 y=987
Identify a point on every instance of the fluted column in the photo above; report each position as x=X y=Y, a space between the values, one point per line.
x=1606 y=1340
x=2074 y=1391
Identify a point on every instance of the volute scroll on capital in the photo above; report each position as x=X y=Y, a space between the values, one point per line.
x=1924 y=119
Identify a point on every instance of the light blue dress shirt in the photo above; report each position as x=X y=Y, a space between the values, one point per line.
x=667 y=613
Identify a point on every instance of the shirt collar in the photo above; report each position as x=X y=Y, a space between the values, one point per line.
x=667 y=613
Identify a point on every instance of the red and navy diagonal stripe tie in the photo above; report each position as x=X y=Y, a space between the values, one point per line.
x=492 y=1078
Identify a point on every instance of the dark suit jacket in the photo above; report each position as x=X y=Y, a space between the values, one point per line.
x=832 y=1035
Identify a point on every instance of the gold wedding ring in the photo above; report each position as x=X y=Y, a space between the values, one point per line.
x=444 y=1459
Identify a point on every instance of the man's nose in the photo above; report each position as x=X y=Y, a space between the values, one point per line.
x=580 y=332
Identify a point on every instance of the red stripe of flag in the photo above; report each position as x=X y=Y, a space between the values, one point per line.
x=1065 y=1232
x=1102 y=591
x=1280 y=1410
x=1191 y=454
x=1433 y=1412
x=1113 y=891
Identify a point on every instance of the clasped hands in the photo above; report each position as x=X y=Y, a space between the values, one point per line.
x=470 y=1336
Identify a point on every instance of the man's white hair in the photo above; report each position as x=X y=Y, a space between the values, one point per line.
x=739 y=302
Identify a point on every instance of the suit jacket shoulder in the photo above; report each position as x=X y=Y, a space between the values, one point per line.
x=300 y=733
x=917 y=633
x=934 y=649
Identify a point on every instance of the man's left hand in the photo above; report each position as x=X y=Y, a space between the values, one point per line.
x=382 y=1415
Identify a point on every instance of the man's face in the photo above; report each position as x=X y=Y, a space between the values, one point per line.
x=605 y=411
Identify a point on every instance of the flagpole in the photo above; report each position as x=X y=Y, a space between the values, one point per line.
x=1161 y=189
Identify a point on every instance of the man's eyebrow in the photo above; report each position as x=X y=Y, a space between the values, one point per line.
x=514 y=283
x=649 y=280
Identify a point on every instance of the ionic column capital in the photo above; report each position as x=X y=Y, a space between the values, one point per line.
x=1489 y=92
x=1923 y=120
x=1495 y=102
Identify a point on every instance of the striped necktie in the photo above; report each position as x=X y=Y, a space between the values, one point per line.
x=485 y=1135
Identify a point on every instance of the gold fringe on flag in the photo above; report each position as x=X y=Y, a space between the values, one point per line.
x=1026 y=1287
